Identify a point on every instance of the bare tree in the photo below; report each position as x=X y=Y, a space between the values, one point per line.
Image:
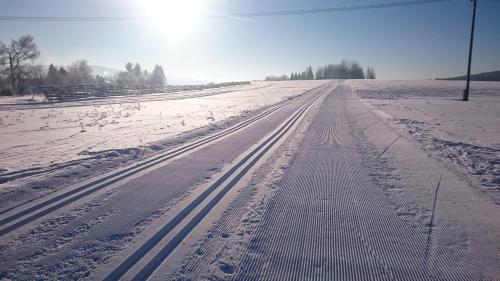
x=17 y=56
x=36 y=74
x=4 y=86
x=79 y=72
x=370 y=73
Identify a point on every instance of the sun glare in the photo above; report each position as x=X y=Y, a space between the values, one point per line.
x=177 y=19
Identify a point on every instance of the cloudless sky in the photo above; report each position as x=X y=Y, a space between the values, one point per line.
x=414 y=42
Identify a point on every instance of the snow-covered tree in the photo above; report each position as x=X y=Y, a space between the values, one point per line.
x=370 y=73
x=63 y=75
x=129 y=66
x=17 y=57
x=137 y=69
x=158 y=78
x=53 y=76
x=309 y=73
x=79 y=72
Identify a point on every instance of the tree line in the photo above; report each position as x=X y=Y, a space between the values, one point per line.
x=19 y=72
x=135 y=76
x=346 y=69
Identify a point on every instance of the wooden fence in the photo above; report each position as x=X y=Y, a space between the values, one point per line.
x=78 y=92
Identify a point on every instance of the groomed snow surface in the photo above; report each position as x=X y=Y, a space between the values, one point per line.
x=47 y=145
x=356 y=198
x=466 y=134
x=343 y=180
x=42 y=134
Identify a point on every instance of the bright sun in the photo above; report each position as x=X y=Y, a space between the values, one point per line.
x=175 y=18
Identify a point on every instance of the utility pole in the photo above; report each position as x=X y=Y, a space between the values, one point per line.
x=466 y=91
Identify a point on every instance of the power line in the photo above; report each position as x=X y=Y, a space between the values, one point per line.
x=236 y=15
x=68 y=19
x=340 y=9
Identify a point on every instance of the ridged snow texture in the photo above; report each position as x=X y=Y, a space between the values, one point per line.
x=329 y=221
x=74 y=244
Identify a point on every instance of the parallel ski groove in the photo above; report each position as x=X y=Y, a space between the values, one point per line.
x=147 y=270
x=211 y=248
x=83 y=191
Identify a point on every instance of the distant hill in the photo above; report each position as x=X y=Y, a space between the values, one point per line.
x=174 y=80
x=103 y=71
x=485 y=76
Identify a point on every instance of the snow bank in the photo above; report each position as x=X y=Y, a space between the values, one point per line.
x=466 y=134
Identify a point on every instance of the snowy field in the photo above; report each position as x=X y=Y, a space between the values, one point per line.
x=388 y=180
x=39 y=139
x=466 y=134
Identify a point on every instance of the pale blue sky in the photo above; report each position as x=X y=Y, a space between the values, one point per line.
x=406 y=42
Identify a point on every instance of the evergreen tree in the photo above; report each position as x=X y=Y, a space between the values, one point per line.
x=99 y=80
x=63 y=76
x=303 y=75
x=138 y=74
x=129 y=77
x=158 y=78
x=137 y=69
x=320 y=73
x=129 y=66
x=309 y=73
x=53 y=76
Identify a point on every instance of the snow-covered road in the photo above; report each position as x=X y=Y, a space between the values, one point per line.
x=317 y=187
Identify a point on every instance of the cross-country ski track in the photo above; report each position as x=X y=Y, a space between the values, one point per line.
x=48 y=204
x=329 y=215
